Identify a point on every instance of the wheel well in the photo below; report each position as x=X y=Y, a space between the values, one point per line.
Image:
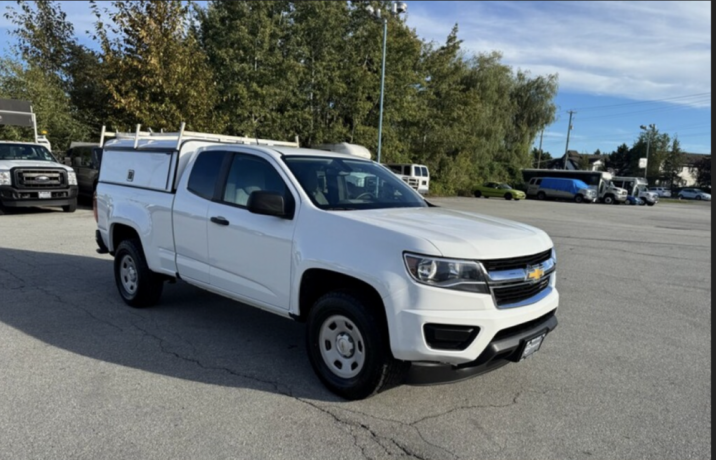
x=317 y=282
x=122 y=232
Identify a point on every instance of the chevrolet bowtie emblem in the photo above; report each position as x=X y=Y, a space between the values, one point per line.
x=534 y=273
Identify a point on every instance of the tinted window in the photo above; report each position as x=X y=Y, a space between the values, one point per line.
x=250 y=174
x=205 y=174
x=425 y=171
x=397 y=169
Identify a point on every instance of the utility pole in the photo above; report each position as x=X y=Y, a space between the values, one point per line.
x=569 y=130
x=539 y=158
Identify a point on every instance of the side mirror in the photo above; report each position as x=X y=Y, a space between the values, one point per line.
x=267 y=203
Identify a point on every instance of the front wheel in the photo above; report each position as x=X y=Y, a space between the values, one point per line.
x=609 y=199
x=698 y=197
x=137 y=284
x=579 y=199
x=349 y=349
x=71 y=207
x=508 y=196
x=650 y=204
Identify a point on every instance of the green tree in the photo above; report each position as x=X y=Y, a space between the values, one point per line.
x=702 y=168
x=673 y=164
x=155 y=72
x=540 y=158
x=49 y=102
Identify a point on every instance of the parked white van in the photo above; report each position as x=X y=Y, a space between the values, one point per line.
x=417 y=176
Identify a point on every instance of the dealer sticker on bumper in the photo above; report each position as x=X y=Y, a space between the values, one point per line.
x=532 y=346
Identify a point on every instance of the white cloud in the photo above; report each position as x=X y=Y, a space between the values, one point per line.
x=638 y=50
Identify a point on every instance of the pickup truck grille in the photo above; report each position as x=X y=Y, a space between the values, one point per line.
x=516 y=262
x=39 y=178
x=514 y=293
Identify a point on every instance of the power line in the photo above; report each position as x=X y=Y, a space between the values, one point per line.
x=700 y=95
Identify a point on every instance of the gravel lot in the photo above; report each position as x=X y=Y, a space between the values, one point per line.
x=626 y=375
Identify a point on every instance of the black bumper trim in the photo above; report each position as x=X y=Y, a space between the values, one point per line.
x=101 y=247
x=505 y=349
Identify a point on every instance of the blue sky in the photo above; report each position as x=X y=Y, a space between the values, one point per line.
x=620 y=64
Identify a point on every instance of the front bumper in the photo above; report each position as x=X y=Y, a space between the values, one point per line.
x=12 y=197
x=444 y=307
x=507 y=346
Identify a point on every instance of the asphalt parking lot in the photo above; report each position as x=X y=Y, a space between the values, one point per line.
x=626 y=375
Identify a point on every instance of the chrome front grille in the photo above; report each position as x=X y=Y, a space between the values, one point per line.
x=519 y=281
x=39 y=178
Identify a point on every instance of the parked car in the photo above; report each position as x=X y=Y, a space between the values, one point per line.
x=661 y=191
x=543 y=188
x=83 y=157
x=501 y=190
x=693 y=194
x=387 y=284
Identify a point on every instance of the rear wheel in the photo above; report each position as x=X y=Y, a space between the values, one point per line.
x=71 y=207
x=349 y=349
x=478 y=194
x=137 y=284
x=541 y=196
x=508 y=196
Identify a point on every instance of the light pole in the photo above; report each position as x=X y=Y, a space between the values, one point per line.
x=650 y=131
x=396 y=9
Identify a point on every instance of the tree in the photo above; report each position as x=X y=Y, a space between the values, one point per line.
x=673 y=164
x=702 y=168
x=540 y=157
x=619 y=161
x=584 y=164
x=155 y=72
x=49 y=102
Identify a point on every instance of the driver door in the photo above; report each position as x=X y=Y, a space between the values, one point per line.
x=250 y=254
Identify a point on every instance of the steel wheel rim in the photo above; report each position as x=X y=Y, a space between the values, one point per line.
x=128 y=274
x=342 y=346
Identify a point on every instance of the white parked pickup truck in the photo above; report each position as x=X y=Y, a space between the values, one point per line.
x=390 y=287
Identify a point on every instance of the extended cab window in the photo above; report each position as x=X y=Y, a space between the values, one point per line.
x=250 y=174
x=205 y=174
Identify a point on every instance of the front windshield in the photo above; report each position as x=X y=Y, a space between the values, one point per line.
x=347 y=184
x=24 y=152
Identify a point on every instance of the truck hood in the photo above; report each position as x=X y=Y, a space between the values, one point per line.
x=459 y=234
x=9 y=164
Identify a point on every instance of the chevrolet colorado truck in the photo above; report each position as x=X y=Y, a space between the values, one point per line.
x=390 y=287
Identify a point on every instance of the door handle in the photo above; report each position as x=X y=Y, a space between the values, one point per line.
x=220 y=220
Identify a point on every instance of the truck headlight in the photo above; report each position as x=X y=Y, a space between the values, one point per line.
x=71 y=178
x=462 y=275
x=5 y=178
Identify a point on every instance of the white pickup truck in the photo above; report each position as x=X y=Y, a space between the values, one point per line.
x=390 y=287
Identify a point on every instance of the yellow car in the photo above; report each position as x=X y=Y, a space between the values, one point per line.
x=499 y=190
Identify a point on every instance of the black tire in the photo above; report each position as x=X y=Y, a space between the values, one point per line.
x=508 y=196
x=650 y=204
x=579 y=199
x=360 y=328
x=642 y=201
x=478 y=194
x=541 y=196
x=137 y=284
x=609 y=199
x=72 y=207
x=698 y=197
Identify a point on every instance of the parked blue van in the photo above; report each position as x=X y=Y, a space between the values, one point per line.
x=560 y=188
